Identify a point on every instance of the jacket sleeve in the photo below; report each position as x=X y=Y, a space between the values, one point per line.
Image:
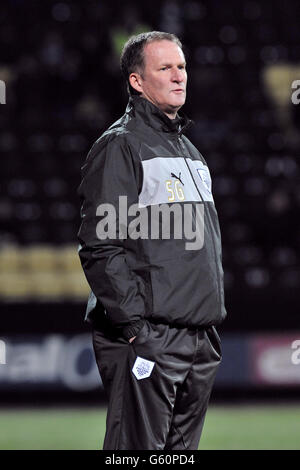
x=109 y=172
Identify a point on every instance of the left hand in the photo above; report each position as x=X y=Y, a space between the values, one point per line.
x=131 y=339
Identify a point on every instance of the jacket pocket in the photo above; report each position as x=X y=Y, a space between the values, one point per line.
x=185 y=291
x=145 y=289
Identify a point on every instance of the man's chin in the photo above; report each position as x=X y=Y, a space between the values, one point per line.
x=174 y=107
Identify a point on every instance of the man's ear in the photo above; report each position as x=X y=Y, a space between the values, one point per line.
x=135 y=81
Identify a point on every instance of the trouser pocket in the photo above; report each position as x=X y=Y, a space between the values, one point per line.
x=143 y=334
x=214 y=340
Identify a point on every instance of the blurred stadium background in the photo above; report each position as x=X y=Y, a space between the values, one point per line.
x=59 y=62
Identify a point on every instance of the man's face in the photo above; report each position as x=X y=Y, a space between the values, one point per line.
x=164 y=79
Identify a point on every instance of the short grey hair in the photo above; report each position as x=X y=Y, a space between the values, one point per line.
x=132 y=56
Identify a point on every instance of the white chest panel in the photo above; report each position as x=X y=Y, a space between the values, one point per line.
x=169 y=180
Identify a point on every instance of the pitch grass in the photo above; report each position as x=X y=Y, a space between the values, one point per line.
x=226 y=427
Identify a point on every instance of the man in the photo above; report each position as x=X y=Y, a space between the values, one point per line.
x=155 y=300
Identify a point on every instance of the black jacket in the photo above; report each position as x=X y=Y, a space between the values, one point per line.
x=145 y=157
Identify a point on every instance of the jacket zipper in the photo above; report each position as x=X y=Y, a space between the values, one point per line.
x=181 y=146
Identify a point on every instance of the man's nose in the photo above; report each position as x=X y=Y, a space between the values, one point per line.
x=178 y=76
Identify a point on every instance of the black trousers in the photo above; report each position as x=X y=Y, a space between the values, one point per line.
x=158 y=386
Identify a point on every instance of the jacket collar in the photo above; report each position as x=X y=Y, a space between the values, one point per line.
x=155 y=118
